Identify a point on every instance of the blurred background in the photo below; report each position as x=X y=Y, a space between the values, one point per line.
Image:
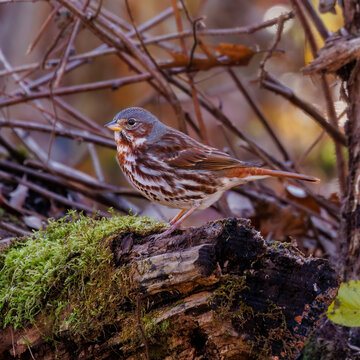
x=274 y=213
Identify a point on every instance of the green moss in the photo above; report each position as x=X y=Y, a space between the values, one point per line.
x=66 y=274
x=226 y=297
x=129 y=337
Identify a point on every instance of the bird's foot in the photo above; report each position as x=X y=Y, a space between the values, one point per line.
x=165 y=234
x=168 y=231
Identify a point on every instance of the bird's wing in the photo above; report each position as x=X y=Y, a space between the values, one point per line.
x=181 y=151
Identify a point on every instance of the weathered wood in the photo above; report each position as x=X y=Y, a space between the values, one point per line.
x=338 y=52
x=214 y=292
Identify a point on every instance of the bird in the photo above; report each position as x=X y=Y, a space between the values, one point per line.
x=171 y=168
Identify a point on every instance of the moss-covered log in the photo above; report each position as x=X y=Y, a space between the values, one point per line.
x=215 y=292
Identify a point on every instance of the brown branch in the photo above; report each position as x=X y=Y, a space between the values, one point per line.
x=51 y=195
x=311 y=147
x=280 y=24
x=101 y=50
x=43 y=28
x=14 y=229
x=340 y=160
x=259 y=114
x=218 y=32
x=11 y=149
x=96 y=162
x=275 y=86
x=197 y=109
x=266 y=196
x=219 y=115
x=72 y=134
x=64 y=60
x=319 y=24
x=98 y=9
x=67 y=90
x=76 y=184
x=119 y=41
x=83 y=119
x=151 y=65
x=179 y=24
x=58 y=179
x=152 y=22
x=308 y=33
x=55 y=42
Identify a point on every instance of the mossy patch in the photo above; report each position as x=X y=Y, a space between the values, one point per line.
x=227 y=297
x=66 y=274
x=157 y=334
x=266 y=330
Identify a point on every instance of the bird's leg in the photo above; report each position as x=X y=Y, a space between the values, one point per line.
x=177 y=217
x=180 y=218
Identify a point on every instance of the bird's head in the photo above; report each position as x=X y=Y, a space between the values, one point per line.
x=136 y=126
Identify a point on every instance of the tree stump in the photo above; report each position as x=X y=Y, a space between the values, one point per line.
x=214 y=292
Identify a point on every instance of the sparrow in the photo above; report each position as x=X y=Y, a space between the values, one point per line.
x=171 y=168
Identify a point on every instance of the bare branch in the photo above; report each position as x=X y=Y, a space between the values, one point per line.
x=72 y=134
x=259 y=114
x=274 y=85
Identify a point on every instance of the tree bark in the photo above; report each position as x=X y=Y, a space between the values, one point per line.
x=341 y=55
x=351 y=207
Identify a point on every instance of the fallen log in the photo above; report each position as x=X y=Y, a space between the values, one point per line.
x=214 y=292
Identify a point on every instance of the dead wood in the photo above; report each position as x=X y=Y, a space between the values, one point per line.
x=337 y=53
x=214 y=292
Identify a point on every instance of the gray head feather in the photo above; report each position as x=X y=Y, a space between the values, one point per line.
x=137 y=113
x=142 y=115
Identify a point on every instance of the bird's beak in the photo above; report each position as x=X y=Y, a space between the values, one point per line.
x=113 y=125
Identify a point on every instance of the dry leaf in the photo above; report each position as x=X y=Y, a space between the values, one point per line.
x=225 y=54
x=298 y=195
x=18 y=196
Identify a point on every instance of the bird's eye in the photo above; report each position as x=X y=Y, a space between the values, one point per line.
x=131 y=122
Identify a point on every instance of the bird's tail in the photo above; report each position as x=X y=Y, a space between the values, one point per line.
x=245 y=172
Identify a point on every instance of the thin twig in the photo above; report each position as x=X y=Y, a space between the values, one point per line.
x=259 y=114
x=58 y=179
x=67 y=90
x=54 y=44
x=319 y=24
x=197 y=107
x=72 y=134
x=14 y=229
x=280 y=24
x=271 y=83
x=51 y=195
x=98 y=9
x=308 y=33
x=179 y=24
x=152 y=66
x=340 y=160
x=64 y=60
x=96 y=162
x=43 y=28
x=153 y=21
x=105 y=50
x=218 y=32
x=311 y=147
